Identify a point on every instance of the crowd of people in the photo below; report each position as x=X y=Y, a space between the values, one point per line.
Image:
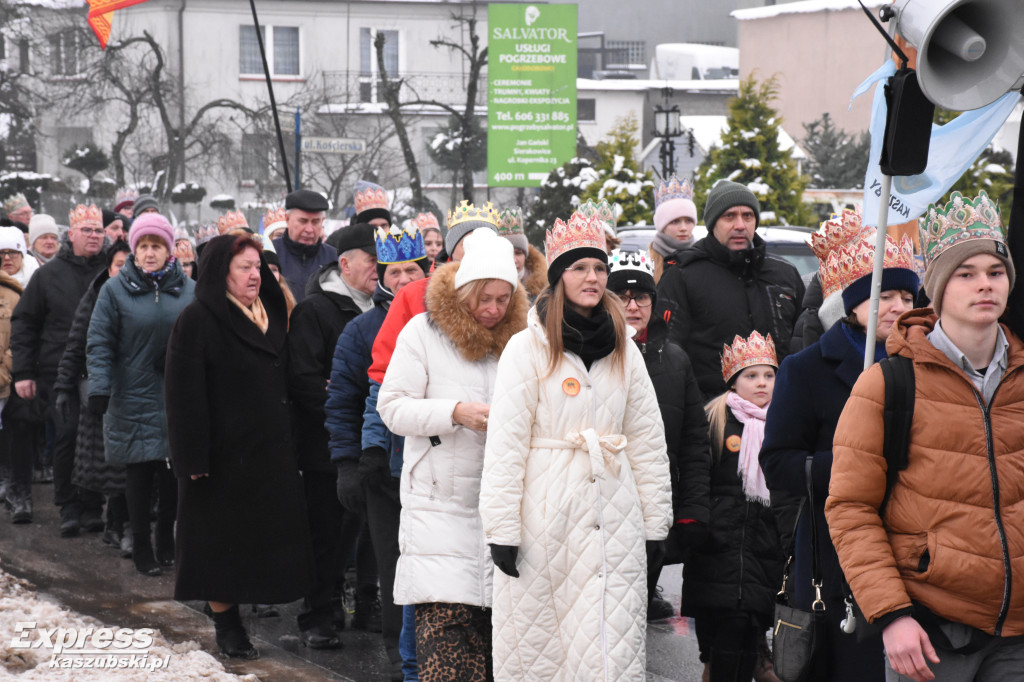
x=488 y=452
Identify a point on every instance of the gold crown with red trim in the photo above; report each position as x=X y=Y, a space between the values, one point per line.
x=466 y=211
x=231 y=220
x=272 y=217
x=369 y=195
x=847 y=264
x=582 y=231
x=85 y=216
x=747 y=352
x=839 y=230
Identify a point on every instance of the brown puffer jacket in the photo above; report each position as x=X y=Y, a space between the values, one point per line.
x=10 y=292
x=953 y=537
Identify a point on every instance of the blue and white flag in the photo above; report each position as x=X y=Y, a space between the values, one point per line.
x=953 y=148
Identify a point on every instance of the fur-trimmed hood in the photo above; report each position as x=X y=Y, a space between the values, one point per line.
x=536 y=272
x=472 y=340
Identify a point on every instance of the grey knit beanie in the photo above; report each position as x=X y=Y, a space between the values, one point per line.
x=455 y=234
x=723 y=196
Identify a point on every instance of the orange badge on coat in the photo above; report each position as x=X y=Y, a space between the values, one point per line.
x=732 y=443
x=571 y=386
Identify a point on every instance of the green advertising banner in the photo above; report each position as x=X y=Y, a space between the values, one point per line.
x=531 y=92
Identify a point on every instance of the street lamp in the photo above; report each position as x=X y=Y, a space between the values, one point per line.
x=666 y=127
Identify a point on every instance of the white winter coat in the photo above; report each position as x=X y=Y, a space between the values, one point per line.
x=443 y=554
x=578 y=483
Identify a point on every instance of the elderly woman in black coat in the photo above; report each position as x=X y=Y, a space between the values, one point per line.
x=242 y=532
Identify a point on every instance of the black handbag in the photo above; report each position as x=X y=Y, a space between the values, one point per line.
x=797 y=634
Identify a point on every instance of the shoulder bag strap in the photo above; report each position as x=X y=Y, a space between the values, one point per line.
x=818 y=604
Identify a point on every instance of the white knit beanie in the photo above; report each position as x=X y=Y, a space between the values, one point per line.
x=42 y=224
x=487 y=256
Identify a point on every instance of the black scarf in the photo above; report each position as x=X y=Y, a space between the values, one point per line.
x=591 y=338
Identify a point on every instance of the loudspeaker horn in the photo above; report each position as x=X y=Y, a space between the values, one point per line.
x=970 y=52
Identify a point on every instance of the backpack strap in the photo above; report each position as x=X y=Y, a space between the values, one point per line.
x=898 y=372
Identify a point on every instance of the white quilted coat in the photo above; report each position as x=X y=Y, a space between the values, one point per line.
x=578 y=483
x=444 y=557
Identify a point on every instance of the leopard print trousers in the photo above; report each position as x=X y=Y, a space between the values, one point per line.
x=453 y=643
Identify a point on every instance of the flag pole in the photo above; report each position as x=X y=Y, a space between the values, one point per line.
x=273 y=101
x=876 y=273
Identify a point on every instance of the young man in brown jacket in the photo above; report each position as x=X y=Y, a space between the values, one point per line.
x=941 y=572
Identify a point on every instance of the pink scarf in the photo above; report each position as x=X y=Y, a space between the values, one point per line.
x=749 y=468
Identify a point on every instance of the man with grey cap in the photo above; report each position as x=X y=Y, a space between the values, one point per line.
x=301 y=249
x=727 y=285
x=335 y=295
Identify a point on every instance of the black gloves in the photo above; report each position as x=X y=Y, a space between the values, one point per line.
x=98 y=404
x=505 y=559
x=62 y=406
x=375 y=467
x=655 y=552
x=350 y=487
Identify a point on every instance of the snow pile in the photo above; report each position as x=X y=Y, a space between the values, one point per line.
x=19 y=603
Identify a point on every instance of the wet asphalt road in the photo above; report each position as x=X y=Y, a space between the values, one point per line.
x=90 y=577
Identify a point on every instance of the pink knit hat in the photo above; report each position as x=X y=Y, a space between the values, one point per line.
x=151 y=224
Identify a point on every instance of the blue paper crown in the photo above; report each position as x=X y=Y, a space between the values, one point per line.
x=395 y=245
x=673 y=188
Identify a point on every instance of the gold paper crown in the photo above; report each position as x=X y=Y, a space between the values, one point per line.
x=510 y=222
x=602 y=210
x=232 y=220
x=370 y=196
x=839 y=230
x=747 y=352
x=272 y=217
x=580 y=232
x=961 y=220
x=14 y=202
x=425 y=220
x=183 y=249
x=85 y=216
x=847 y=264
x=466 y=211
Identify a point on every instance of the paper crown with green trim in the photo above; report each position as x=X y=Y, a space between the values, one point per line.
x=673 y=188
x=600 y=209
x=466 y=211
x=399 y=245
x=510 y=222
x=580 y=232
x=747 y=352
x=14 y=202
x=961 y=220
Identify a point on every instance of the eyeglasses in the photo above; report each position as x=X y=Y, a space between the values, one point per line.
x=90 y=230
x=642 y=300
x=10 y=254
x=599 y=269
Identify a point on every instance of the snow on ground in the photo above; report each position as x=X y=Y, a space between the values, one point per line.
x=20 y=603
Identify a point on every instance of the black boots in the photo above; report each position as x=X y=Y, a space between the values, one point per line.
x=231 y=636
x=367 y=616
x=165 y=543
x=19 y=500
x=142 y=555
x=69 y=519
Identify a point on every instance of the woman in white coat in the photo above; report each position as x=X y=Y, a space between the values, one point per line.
x=576 y=479
x=437 y=393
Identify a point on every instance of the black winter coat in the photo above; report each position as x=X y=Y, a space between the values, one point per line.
x=686 y=425
x=42 y=319
x=740 y=566
x=715 y=294
x=242 y=534
x=808 y=328
x=92 y=471
x=301 y=262
x=313 y=332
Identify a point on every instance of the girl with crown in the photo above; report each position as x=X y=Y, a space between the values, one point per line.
x=576 y=494
x=730 y=580
x=812 y=388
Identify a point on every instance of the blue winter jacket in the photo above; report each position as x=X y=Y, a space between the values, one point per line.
x=125 y=354
x=300 y=261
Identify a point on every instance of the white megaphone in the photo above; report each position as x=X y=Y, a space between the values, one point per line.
x=970 y=52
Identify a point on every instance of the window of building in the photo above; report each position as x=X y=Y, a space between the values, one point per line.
x=282 y=46
x=261 y=157
x=23 y=55
x=65 y=53
x=586 y=109
x=3 y=47
x=627 y=51
x=368 y=61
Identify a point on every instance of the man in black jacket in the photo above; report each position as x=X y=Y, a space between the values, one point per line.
x=335 y=295
x=726 y=285
x=39 y=332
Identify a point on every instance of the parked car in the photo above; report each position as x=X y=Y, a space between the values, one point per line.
x=789 y=242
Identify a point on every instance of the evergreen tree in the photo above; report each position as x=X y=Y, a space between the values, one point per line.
x=558 y=197
x=618 y=178
x=836 y=160
x=750 y=155
x=993 y=171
